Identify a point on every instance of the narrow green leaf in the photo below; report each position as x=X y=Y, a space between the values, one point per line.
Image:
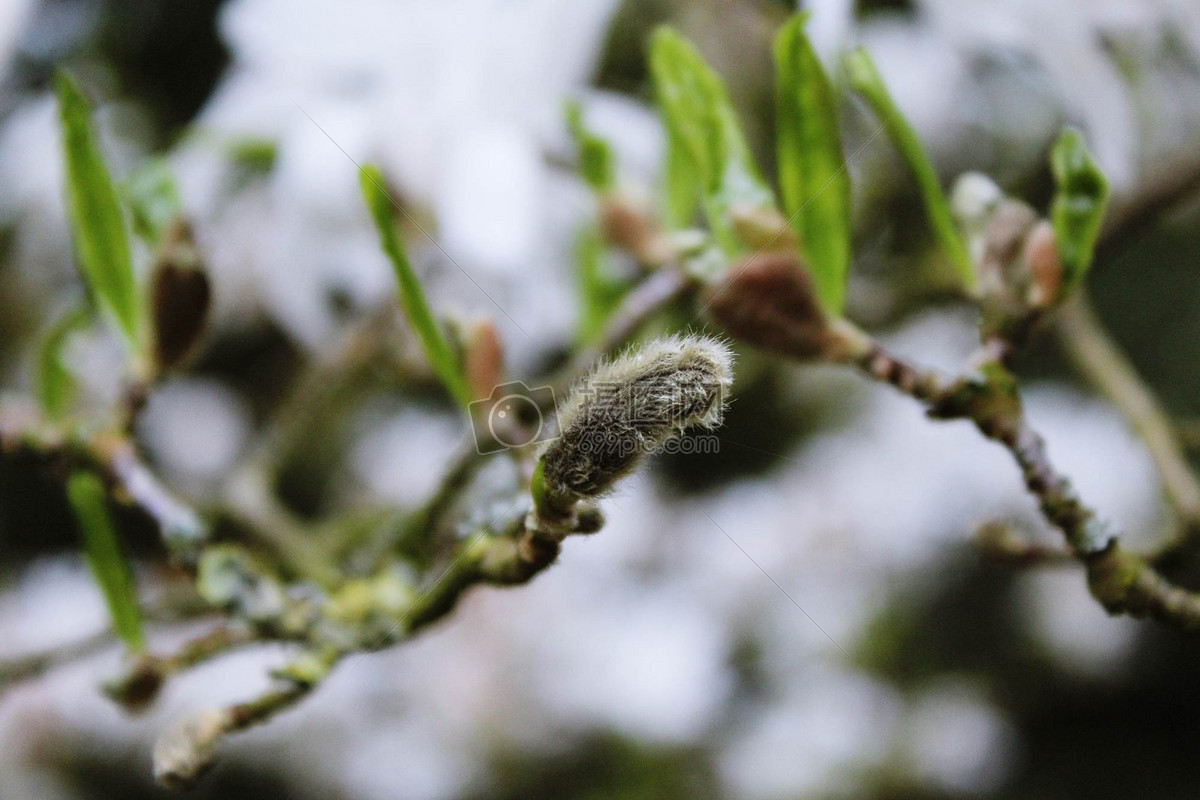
x=1079 y=204
x=706 y=148
x=599 y=291
x=596 y=162
x=813 y=179
x=412 y=299
x=55 y=384
x=865 y=79
x=86 y=494
x=95 y=215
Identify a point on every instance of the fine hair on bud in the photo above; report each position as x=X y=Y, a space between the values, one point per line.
x=632 y=406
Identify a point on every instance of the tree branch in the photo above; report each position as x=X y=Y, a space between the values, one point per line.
x=1123 y=581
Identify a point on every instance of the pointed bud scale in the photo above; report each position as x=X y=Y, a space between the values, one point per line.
x=631 y=407
x=1045 y=266
x=180 y=296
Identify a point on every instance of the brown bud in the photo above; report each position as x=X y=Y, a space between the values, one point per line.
x=632 y=229
x=483 y=358
x=589 y=518
x=1045 y=268
x=138 y=683
x=180 y=297
x=768 y=300
x=1004 y=275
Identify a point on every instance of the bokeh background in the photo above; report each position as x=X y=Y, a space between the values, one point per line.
x=656 y=660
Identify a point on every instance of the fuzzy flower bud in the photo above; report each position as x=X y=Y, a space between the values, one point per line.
x=632 y=406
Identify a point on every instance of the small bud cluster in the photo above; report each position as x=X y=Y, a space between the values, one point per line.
x=1014 y=249
x=631 y=407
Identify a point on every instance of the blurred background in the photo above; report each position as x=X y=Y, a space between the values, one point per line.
x=656 y=660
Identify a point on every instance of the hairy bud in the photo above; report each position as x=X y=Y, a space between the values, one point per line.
x=768 y=301
x=632 y=406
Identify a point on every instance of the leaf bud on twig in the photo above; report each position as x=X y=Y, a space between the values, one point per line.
x=769 y=301
x=180 y=296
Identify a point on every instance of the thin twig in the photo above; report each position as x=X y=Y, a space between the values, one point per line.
x=1123 y=581
x=32 y=666
x=1000 y=542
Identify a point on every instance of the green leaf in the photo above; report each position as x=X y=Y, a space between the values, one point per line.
x=95 y=215
x=1079 y=204
x=595 y=156
x=412 y=299
x=55 y=384
x=813 y=179
x=680 y=190
x=86 y=494
x=707 y=154
x=865 y=80
x=153 y=200
x=599 y=292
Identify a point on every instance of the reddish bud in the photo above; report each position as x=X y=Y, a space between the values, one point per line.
x=483 y=358
x=632 y=229
x=1045 y=267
